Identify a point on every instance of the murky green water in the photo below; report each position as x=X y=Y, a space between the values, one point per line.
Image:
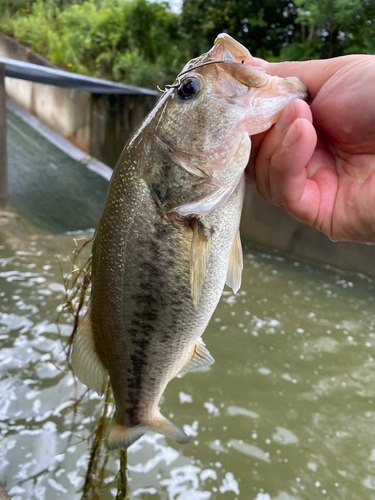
x=286 y=413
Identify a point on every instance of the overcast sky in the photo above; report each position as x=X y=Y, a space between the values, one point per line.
x=175 y=5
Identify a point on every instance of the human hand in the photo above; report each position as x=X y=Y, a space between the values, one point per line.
x=323 y=174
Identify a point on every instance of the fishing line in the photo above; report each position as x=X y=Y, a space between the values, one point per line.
x=216 y=61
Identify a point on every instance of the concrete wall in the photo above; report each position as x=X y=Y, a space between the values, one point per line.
x=100 y=125
x=269 y=225
x=113 y=120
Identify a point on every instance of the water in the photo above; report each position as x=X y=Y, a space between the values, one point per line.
x=286 y=413
x=52 y=192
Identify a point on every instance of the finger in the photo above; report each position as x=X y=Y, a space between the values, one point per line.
x=270 y=143
x=322 y=179
x=314 y=74
x=303 y=178
x=288 y=173
x=273 y=139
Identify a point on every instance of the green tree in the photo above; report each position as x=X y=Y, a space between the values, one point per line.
x=283 y=29
x=261 y=25
x=328 y=28
x=132 y=41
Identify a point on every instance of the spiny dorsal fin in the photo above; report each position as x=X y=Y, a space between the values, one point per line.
x=201 y=359
x=85 y=361
x=199 y=255
x=235 y=264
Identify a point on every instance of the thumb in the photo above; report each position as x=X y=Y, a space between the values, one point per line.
x=314 y=74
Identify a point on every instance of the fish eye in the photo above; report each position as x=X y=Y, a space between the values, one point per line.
x=189 y=88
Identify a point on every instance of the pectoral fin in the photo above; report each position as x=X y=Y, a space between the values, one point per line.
x=201 y=358
x=199 y=256
x=235 y=265
x=85 y=361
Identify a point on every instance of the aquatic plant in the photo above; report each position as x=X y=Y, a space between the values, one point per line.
x=77 y=284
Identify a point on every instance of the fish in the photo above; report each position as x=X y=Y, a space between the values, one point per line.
x=168 y=239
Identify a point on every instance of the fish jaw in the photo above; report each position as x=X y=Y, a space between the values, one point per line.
x=259 y=96
x=265 y=104
x=226 y=47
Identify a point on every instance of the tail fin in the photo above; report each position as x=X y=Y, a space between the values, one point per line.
x=163 y=426
x=122 y=437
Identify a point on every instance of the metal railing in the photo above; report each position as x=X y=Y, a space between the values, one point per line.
x=50 y=76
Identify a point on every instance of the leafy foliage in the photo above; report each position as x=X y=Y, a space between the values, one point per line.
x=261 y=25
x=144 y=43
x=330 y=28
x=136 y=42
x=284 y=30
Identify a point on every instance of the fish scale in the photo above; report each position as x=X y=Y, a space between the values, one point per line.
x=157 y=313
x=168 y=239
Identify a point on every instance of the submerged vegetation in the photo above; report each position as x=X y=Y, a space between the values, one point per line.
x=77 y=284
x=144 y=43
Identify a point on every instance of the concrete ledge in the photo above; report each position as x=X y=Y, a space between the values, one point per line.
x=60 y=142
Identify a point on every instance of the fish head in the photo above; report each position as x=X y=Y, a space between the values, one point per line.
x=221 y=92
x=218 y=102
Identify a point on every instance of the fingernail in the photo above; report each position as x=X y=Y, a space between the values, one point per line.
x=286 y=118
x=293 y=134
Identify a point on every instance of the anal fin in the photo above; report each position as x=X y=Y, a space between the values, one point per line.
x=201 y=358
x=199 y=256
x=235 y=264
x=85 y=361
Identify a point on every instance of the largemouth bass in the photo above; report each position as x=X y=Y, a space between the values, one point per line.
x=168 y=239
